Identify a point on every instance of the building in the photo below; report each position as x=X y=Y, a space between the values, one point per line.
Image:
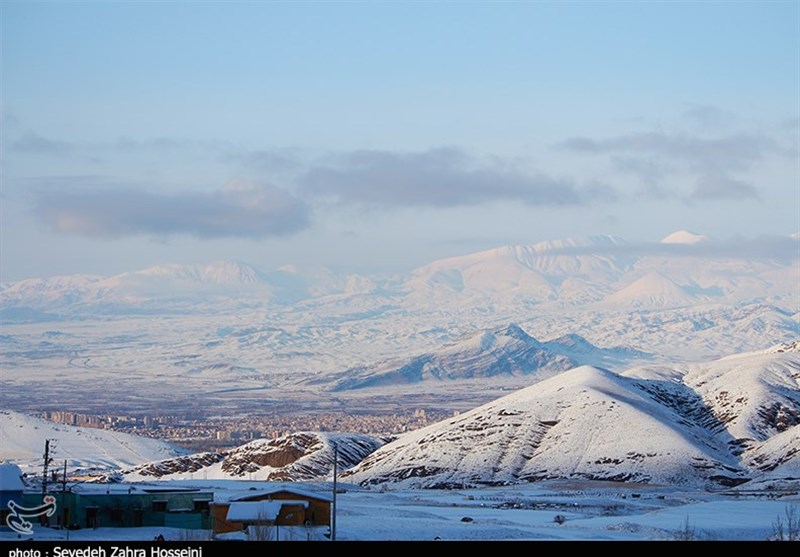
x=284 y=506
x=11 y=489
x=128 y=505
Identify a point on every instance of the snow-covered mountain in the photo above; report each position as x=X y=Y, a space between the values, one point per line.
x=508 y=351
x=652 y=424
x=653 y=290
x=22 y=441
x=164 y=288
x=684 y=237
x=301 y=456
x=230 y=325
x=520 y=272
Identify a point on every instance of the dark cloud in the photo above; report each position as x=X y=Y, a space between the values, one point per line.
x=649 y=169
x=791 y=124
x=160 y=144
x=718 y=186
x=263 y=160
x=9 y=121
x=436 y=178
x=239 y=209
x=733 y=152
x=708 y=116
x=35 y=144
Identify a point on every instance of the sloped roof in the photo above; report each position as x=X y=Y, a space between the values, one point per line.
x=10 y=477
x=258 y=511
x=291 y=490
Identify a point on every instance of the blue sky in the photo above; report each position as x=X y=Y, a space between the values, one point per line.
x=366 y=135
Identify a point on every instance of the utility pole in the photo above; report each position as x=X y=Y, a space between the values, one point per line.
x=335 y=471
x=47 y=460
x=65 y=510
x=43 y=519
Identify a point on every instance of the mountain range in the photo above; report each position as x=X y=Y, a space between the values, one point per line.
x=508 y=351
x=598 y=270
x=226 y=325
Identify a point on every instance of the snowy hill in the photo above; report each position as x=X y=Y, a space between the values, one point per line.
x=777 y=458
x=652 y=290
x=653 y=425
x=754 y=395
x=301 y=456
x=22 y=440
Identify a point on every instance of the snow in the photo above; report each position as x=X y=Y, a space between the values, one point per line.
x=651 y=290
x=299 y=456
x=294 y=490
x=697 y=426
x=592 y=511
x=22 y=440
x=254 y=511
x=10 y=477
x=684 y=237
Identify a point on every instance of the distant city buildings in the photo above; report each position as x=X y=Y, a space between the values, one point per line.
x=216 y=434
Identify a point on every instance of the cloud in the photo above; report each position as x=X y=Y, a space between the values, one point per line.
x=708 y=116
x=661 y=160
x=791 y=124
x=263 y=160
x=240 y=209
x=440 y=178
x=718 y=186
x=35 y=144
x=734 y=152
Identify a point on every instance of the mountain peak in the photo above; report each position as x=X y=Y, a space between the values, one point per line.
x=515 y=331
x=684 y=237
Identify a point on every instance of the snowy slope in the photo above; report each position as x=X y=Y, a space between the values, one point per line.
x=503 y=352
x=22 y=441
x=755 y=395
x=584 y=352
x=656 y=425
x=651 y=290
x=507 y=351
x=301 y=456
x=519 y=272
x=778 y=457
x=684 y=237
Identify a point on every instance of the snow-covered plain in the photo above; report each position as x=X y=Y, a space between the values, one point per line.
x=592 y=511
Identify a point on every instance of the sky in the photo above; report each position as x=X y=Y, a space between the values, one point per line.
x=379 y=136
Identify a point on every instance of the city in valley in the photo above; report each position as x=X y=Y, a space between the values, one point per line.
x=201 y=434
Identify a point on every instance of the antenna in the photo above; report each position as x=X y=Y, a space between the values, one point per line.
x=64 y=509
x=46 y=463
x=335 y=470
x=47 y=460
